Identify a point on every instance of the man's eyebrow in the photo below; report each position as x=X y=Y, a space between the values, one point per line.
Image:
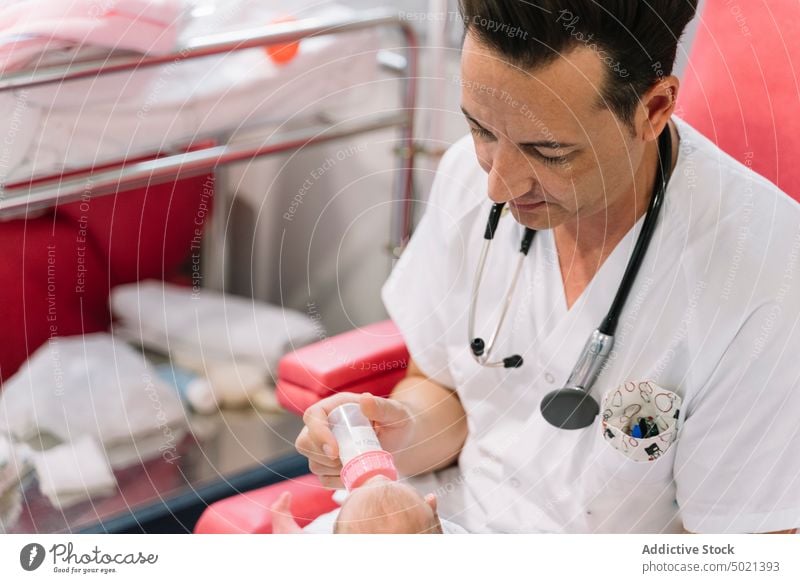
x=549 y=144
x=470 y=118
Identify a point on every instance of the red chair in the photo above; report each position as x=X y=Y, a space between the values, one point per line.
x=740 y=82
x=370 y=359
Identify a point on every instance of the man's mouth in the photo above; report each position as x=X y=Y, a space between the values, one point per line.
x=527 y=206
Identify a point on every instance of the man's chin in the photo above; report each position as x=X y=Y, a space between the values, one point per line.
x=539 y=218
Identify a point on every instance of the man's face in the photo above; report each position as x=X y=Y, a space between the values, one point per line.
x=542 y=138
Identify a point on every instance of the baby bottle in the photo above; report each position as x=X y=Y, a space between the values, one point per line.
x=359 y=448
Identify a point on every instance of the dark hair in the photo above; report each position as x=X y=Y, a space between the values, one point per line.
x=637 y=39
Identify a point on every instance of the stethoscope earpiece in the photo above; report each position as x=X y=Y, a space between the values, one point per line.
x=478 y=347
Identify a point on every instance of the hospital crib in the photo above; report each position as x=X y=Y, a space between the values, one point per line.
x=151 y=183
x=152 y=165
x=738 y=88
x=198 y=152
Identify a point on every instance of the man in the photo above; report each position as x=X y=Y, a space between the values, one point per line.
x=566 y=101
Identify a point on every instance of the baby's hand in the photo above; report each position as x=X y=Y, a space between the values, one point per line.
x=431 y=501
x=282 y=519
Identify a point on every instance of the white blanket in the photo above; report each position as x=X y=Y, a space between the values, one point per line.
x=34 y=27
x=198 y=329
x=74 y=472
x=103 y=120
x=93 y=386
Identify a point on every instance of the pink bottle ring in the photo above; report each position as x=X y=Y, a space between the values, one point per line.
x=368 y=465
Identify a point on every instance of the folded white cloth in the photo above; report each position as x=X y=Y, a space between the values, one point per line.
x=232 y=386
x=31 y=28
x=14 y=461
x=92 y=386
x=206 y=329
x=74 y=472
x=10 y=509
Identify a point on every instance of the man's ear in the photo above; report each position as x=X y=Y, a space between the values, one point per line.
x=656 y=107
x=430 y=500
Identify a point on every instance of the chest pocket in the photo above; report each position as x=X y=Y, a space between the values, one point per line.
x=622 y=495
x=631 y=456
x=613 y=465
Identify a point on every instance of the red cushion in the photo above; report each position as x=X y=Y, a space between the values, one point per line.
x=146 y=233
x=293 y=398
x=58 y=268
x=51 y=284
x=355 y=358
x=741 y=86
x=297 y=399
x=248 y=513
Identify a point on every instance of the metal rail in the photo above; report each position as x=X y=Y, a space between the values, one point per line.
x=56 y=189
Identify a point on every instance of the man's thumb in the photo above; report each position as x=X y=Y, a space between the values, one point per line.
x=383 y=411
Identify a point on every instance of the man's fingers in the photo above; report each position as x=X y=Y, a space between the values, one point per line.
x=322 y=470
x=319 y=432
x=331 y=482
x=383 y=411
x=304 y=445
x=316 y=421
x=312 y=451
x=316 y=440
x=324 y=462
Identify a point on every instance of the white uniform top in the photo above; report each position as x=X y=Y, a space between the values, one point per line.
x=713 y=316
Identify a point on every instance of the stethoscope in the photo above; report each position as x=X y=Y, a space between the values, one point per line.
x=572 y=407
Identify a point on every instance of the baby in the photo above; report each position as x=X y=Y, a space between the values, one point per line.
x=380 y=506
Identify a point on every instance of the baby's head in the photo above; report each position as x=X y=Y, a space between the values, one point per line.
x=382 y=506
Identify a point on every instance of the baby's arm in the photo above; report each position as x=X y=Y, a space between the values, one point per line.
x=282 y=520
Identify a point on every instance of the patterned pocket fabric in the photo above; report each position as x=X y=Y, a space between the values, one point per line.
x=640 y=419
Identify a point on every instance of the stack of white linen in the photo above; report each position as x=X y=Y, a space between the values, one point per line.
x=201 y=329
x=95 y=386
x=102 y=401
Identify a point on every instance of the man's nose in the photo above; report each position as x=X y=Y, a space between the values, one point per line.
x=511 y=175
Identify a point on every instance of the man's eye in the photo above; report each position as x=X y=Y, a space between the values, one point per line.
x=480 y=132
x=551 y=160
x=554 y=160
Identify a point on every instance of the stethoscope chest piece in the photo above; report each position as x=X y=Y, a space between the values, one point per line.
x=569 y=408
